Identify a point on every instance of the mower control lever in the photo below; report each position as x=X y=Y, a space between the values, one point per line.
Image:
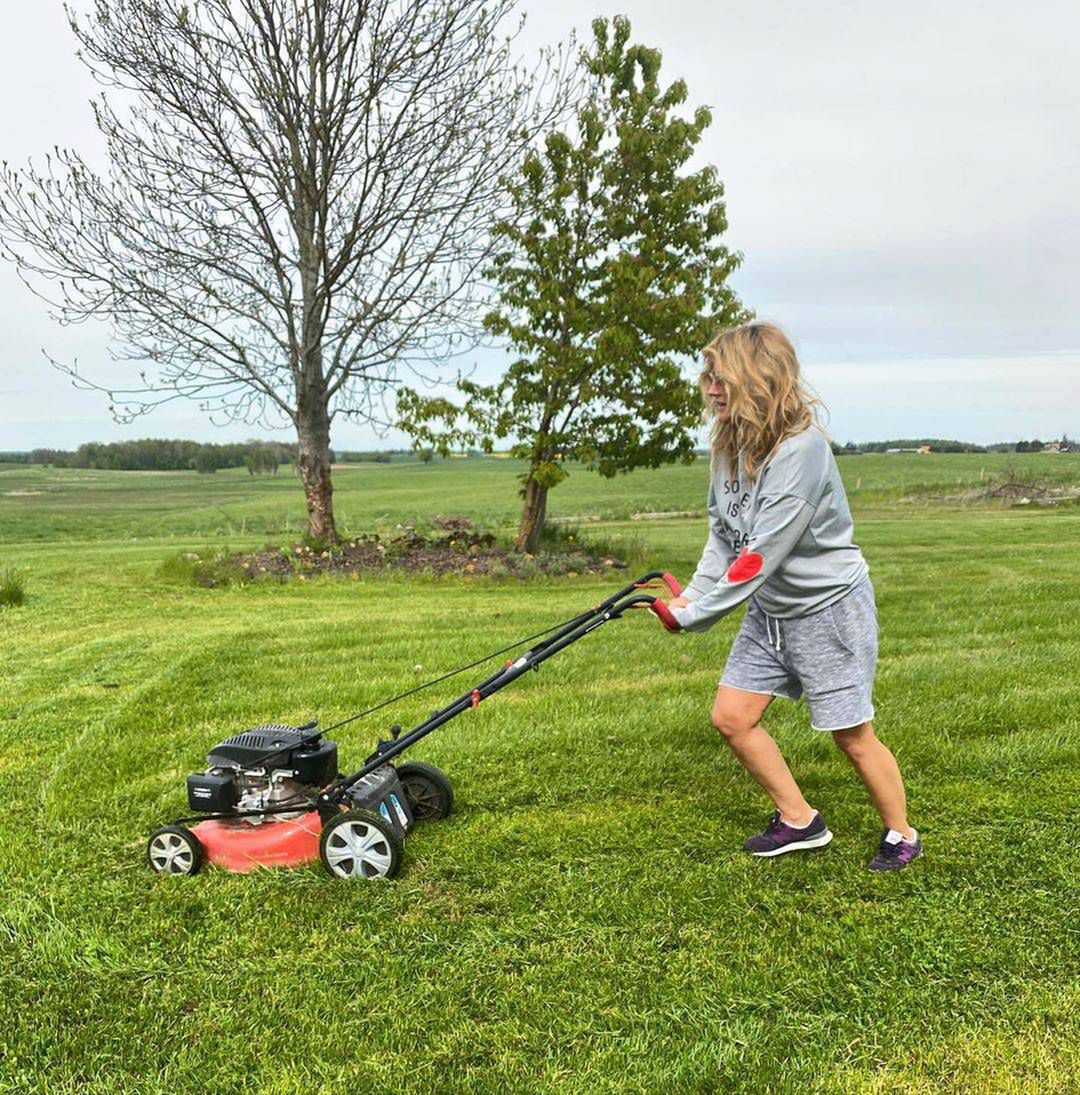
x=672 y=583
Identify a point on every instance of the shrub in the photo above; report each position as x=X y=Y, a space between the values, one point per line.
x=12 y=587
x=570 y=562
x=316 y=543
x=210 y=570
x=498 y=569
x=524 y=567
x=559 y=537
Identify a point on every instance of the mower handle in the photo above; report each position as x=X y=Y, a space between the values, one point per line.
x=654 y=604
x=666 y=618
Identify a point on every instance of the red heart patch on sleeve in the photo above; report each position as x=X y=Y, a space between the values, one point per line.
x=748 y=565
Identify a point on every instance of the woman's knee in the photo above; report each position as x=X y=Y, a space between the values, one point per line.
x=857 y=741
x=731 y=722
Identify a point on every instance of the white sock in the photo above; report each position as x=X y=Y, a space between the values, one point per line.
x=792 y=826
x=894 y=836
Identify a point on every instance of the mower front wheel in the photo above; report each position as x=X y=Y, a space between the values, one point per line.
x=360 y=844
x=428 y=791
x=172 y=849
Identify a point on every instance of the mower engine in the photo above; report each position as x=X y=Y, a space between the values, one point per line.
x=269 y=767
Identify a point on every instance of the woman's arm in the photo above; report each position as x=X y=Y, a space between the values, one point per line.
x=778 y=526
x=715 y=560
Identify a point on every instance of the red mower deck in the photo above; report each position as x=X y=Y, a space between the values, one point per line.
x=240 y=847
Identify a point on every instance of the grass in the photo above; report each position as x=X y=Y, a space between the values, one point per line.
x=12 y=587
x=585 y=921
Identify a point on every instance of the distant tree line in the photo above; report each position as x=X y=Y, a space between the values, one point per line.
x=259 y=457
x=387 y=456
x=938 y=444
x=382 y=456
x=265 y=457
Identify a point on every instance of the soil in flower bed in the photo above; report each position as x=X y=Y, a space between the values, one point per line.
x=452 y=545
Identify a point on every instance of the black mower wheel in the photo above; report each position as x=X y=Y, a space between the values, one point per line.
x=172 y=849
x=428 y=791
x=360 y=844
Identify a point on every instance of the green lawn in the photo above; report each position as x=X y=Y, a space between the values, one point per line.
x=586 y=920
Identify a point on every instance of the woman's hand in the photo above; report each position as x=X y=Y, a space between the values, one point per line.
x=678 y=602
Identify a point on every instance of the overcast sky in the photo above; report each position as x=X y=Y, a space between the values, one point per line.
x=902 y=179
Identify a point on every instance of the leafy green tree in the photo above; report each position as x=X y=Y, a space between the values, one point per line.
x=611 y=269
x=205 y=461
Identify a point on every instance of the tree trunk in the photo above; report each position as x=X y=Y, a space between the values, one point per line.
x=313 y=464
x=532 y=517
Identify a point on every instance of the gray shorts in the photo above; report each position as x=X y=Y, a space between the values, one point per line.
x=829 y=656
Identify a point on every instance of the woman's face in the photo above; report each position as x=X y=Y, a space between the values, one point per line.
x=718 y=397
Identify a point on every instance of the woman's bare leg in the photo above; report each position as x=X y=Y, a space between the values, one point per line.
x=878 y=769
x=737 y=715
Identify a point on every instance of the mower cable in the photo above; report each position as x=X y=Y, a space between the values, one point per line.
x=447 y=676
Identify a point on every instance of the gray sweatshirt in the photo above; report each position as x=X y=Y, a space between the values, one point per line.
x=785 y=537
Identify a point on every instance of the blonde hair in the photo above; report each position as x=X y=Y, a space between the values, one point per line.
x=765 y=394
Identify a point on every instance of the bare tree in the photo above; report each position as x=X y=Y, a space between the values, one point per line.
x=298 y=200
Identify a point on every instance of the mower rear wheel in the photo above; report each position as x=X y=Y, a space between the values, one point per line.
x=172 y=849
x=429 y=793
x=360 y=844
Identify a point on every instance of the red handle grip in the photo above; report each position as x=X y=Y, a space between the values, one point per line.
x=673 y=584
x=665 y=615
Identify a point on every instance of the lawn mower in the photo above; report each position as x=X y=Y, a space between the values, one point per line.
x=274 y=796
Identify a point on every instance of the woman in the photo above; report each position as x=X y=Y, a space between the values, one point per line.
x=780 y=539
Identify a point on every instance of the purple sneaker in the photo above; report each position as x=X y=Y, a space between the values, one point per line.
x=780 y=837
x=895 y=856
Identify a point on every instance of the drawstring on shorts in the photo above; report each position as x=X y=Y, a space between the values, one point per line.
x=776 y=642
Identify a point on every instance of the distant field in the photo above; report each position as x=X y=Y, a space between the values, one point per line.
x=586 y=921
x=43 y=503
